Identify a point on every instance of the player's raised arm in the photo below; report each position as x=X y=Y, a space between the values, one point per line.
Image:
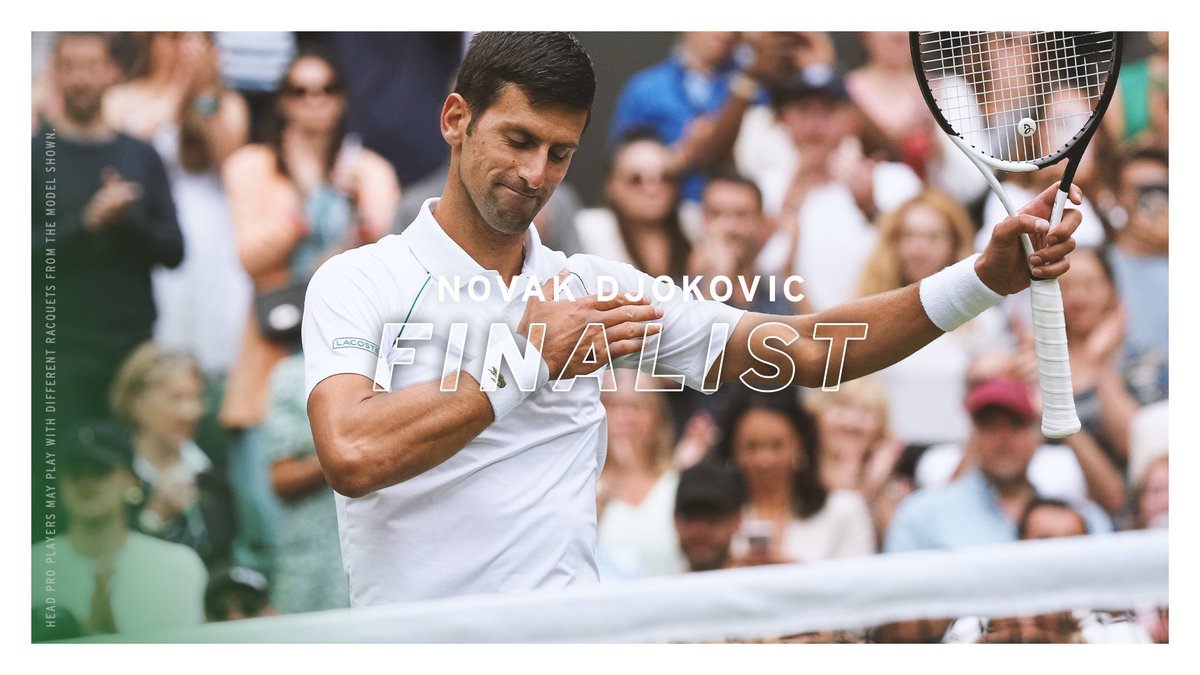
x=772 y=351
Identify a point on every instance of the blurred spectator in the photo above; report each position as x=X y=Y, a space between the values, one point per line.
x=310 y=193
x=395 y=85
x=1139 y=259
x=1148 y=466
x=888 y=96
x=46 y=99
x=857 y=451
x=1139 y=108
x=763 y=146
x=733 y=231
x=184 y=499
x=1047 y=519
x=641 y=224
x=1152 y=492
x=678 y=99
x=236 y=593
x=253 y=63
x=985 y=503
x=771 y=444
x=1073 y=471
x=177 y=103
x=112 y=223
x=708 y=506
x=923 y=235
x=308 y=573
x=1021 y=187
x=638 y=483
x=1096 y=326
x=102 y=219
x=826 y=207
x=108 y=578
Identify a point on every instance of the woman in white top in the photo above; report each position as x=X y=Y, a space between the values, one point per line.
x=771 y=443
x=177 y=103
x=857 y=449
x=641 y=225
x=636 y=492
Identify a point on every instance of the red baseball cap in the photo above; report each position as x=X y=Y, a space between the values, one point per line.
x=1003 y=392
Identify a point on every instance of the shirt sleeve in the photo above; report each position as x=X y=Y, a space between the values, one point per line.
x=344 y=313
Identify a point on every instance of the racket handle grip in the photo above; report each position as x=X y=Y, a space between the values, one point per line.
x=1054 y=367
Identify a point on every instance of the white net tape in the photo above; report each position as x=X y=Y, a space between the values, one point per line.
x=1124 y=570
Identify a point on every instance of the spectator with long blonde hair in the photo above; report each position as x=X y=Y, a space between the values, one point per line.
x=923 y=235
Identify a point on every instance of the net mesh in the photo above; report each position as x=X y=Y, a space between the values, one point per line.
x=1018 y=96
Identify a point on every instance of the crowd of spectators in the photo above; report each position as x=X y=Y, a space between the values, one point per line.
x=200 y=179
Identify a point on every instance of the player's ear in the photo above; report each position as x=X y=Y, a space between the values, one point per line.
x=455 y=118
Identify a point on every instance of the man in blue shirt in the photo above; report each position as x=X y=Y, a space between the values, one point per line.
x=984 y=505
x=679 y=98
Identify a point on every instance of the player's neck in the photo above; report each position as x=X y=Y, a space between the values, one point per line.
x=462 y=222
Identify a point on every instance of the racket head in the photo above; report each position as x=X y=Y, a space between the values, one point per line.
x=985 y=87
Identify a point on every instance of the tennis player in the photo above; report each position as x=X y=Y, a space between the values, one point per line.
x=462 y=475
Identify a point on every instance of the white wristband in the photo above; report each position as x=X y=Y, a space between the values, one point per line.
x=956 y=295
x=506 y=388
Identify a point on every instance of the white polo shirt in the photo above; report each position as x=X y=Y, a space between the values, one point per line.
x=515 y=509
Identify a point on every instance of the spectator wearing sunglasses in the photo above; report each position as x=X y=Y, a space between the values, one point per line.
x=641 y=225
x=309 y=193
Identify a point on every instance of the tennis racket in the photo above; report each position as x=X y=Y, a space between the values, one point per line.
x=1021 y=101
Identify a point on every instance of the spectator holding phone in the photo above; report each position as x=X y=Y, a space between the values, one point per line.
x=771 y=444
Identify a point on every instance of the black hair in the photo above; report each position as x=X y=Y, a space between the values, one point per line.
x=730 y=176
x=1046 y=502
x=277 y=123
x=808 y=493
x=549 y=68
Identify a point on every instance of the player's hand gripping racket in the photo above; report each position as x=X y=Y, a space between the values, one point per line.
x=1021 y=102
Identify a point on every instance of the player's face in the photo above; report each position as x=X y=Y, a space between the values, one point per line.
x=925 y=244
x=168 y=410
x=514 y=157
x=767 y=450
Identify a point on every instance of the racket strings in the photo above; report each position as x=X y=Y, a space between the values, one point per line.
x=987 y=83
